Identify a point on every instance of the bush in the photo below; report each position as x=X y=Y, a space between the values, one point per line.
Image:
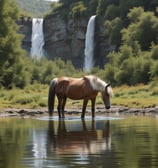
x=154 y=69
x=154 y=52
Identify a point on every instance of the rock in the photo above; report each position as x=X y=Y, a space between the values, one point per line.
x=25 y=29
x=65 y=39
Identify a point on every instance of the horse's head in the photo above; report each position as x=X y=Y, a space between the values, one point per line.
x=106 y=96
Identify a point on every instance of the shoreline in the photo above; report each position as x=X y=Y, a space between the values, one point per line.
x=100 y=110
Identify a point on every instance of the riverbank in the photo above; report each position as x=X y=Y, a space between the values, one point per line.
x=100 y=110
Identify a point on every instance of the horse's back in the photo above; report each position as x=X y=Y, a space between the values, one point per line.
x=71 y=81
x=74 y=88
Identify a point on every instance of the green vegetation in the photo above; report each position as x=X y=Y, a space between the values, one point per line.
x=74 y=8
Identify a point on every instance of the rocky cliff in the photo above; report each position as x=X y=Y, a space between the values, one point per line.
x=65 y=39
x=26 y=29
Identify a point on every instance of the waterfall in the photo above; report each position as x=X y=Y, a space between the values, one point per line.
x=89 y=44
x=37 y=38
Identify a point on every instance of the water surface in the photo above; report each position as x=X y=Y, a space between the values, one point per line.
x=107 y=141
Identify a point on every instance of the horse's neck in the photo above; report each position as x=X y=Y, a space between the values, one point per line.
x=101 y=85
x=97 y=84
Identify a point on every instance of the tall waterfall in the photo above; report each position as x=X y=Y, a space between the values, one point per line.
x=37 y=38
x=89 y=44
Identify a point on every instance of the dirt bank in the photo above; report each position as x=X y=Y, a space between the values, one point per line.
x=100 y=110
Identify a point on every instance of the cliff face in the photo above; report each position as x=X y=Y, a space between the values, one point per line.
x=66 y=39
x=26 y=29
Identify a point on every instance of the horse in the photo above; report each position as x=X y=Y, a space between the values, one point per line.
x=85 y=88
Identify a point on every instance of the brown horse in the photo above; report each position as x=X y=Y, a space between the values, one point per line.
x=85 y=88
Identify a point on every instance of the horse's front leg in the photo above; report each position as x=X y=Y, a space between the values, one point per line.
x=63 y=106
x=93 y=107
x=84 y=108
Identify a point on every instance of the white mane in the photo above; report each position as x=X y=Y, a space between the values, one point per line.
x=98 y=84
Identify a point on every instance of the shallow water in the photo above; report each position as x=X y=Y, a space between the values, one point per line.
x=107 y=141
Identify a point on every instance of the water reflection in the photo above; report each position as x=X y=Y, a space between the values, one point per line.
x=80 y=139
x=39 y=147
x=68 y=143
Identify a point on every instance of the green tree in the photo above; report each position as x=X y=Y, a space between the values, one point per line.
x=154 y=69
x=113 y=29
x=10 y=45
x=142 y=29
x=112 y=11
x=154 y=52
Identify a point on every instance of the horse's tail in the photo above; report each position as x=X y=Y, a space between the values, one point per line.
x=51 y=96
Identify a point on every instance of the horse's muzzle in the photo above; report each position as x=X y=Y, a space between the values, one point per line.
x=107 y=107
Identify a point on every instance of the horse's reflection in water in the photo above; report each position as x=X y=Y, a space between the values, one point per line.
x=82 y=140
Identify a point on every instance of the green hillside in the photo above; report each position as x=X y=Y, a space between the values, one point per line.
x=36 y=8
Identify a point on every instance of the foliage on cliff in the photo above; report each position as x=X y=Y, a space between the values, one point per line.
x=74 y=8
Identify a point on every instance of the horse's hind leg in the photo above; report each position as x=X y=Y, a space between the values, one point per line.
x=84 y=108
x=59 y=106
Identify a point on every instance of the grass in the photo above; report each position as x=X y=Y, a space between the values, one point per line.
x=136 y=96
x=35 y=96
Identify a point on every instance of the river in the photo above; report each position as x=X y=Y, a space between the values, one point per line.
x=107 y=141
